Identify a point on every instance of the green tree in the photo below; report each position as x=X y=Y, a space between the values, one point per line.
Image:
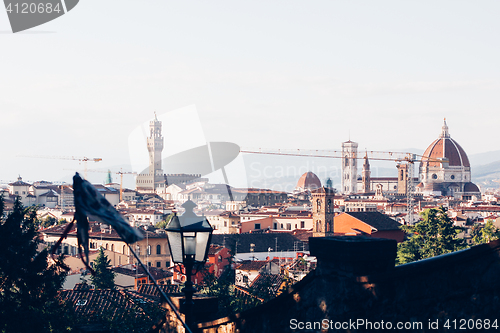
x=104 y=277
x=230 y=302
x=46 y=222
x=28 y=284
x=485 y=234
x=163 y=224
x=433 y=236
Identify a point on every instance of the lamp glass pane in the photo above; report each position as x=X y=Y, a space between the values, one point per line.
x=189 y=245
x=175 y=242
x=201 y=245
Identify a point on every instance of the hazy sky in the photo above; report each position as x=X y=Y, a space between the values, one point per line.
x=279 y=74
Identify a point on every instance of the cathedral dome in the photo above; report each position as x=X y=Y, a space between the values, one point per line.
x=446 y=147
x=308 y=181
x=471 y=187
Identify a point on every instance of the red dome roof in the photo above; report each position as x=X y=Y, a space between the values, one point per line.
x=309 y=181
x=446 y=147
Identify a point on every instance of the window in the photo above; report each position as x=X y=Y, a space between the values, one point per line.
x=112 y=247
x=225 y=223
x=220 y=258
x=123 y=249
x=452 y=176
x=257 y=226
x=288 y=226
x=275 y=225
x=158 y=264
x=318 y=205
x=158 y=250
x=81 y=302
x=302 y=224
x=434 y=176
x=245 y=279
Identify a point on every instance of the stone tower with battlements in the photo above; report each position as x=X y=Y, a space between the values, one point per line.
x=152 y=178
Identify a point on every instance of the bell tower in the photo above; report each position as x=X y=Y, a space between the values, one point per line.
x=402 y=178
x=323 y=211
x=150 y=179
x=366 y=175
x=155 y=146
x=349 y=181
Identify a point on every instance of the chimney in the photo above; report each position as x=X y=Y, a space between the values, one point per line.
x=353 y=255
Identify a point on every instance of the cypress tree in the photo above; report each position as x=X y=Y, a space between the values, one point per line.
x=104 y=277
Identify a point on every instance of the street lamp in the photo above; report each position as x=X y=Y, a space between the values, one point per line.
x=188 y=240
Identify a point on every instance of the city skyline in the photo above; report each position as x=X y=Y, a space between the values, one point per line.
x=294 y=75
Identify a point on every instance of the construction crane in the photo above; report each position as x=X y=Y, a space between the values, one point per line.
x=400 y=157
x=81 y=159
x=121 y=173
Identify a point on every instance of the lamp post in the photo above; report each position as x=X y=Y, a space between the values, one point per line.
x=188 y=240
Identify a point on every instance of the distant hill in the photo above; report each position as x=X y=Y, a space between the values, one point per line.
x=484 y=158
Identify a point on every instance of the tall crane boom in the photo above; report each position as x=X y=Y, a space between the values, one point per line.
x=121 y=173
x=74 y=158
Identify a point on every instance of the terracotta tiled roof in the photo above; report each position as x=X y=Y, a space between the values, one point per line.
x=19 y=183
x=151 y=290
x=139 y=272
x=286 y=241
x=50 y=193
x=376 y=220
x=96 y=304
x=256 y=191
x=250 y=265
x=268 y=283
x=95 y=231
x=214 y=249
